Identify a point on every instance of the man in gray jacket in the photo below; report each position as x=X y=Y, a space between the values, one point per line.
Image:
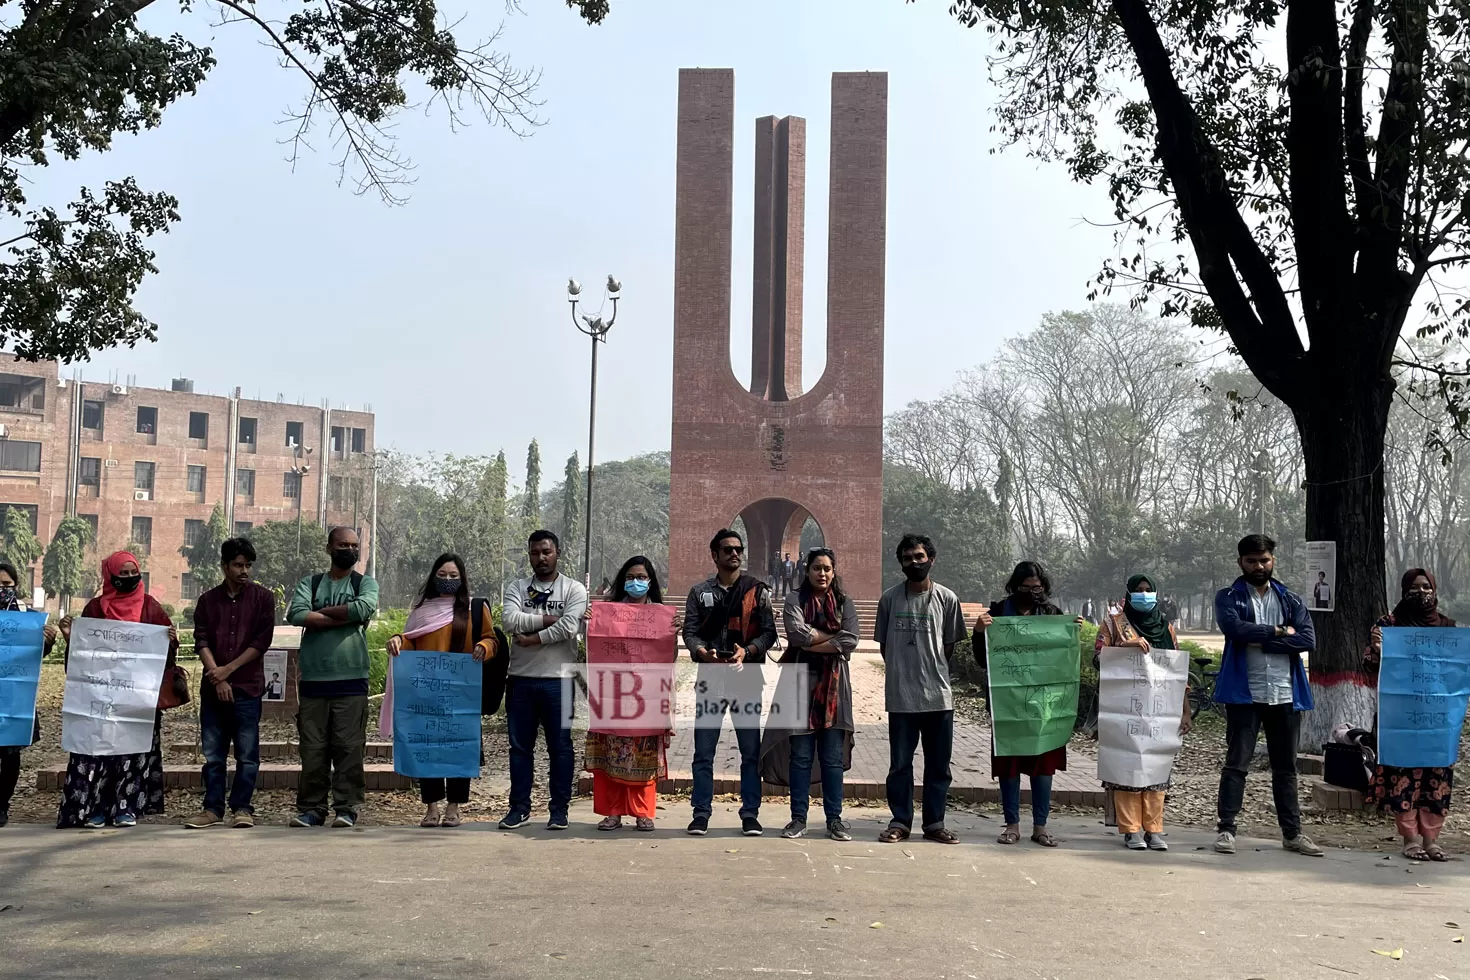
x=542 y=615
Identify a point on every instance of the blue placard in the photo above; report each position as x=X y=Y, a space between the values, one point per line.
x=1423 y=686
x=21 y=640
x=436 y=714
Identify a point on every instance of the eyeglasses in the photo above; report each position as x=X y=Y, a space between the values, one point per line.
x=732 y=549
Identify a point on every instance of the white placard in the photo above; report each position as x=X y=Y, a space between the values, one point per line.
x=273 y=663
x=113 y=675
x=1140 y=701
x=1321 y=584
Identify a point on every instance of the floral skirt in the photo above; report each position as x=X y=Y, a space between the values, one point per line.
x=627 y=758
x=1396 y=790
x=111 y=785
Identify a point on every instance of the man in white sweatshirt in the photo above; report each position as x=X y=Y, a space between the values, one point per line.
x=542 y=615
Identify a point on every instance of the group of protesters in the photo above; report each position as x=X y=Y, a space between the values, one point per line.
x=728 y=621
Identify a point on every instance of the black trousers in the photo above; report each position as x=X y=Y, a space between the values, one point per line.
x=1243 y=724
x=435 y=790
x=9 y=775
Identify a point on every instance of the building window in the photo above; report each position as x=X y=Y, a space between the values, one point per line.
x=91 y=415
x=291 y=486
x=16 y=455
x=91 y=520
x=142 y=535
x=196 y=479
x=188 y=588
x=336 y=492
x=247 y=430
x=193 y=531
x=198 y=425
x=143 y=475
x=338 y=434
x=25 y=393
x=359 y=440
x=245 y=483
x=242 y=528
x=294 y=432
x=89 y=472
x=31 y=511
x=147 y=420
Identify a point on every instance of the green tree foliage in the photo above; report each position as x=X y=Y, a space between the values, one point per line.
x=531 y=518
x=630 y=513
x=65 y=571
x=965 y=524
x=21 y=545
x=572 y=505
x=277 y=566
x=203 y=554
x=75 y=74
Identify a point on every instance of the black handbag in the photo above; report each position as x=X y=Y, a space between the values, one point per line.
x=1345 y=764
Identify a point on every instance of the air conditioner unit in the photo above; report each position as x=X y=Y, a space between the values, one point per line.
x=110 y=463
x=141 y=495
x=119 y=389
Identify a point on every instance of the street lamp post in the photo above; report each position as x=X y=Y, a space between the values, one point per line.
x=596 y=328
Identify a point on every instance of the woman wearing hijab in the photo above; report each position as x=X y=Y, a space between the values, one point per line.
x=1028 y=593
x=1141 y=623
x=440 y=620
x=10 y=754
x=1417 y=798
x=626 y=768
x=118 y=788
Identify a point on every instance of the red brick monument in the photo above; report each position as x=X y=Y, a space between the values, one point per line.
x=775 y=455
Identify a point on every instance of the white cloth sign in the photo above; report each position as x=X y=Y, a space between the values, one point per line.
x=1140 y=701
x=113 y=674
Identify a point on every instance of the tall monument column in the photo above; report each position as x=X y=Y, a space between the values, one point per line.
x=776 y=455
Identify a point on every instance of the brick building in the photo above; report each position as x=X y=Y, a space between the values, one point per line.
x=147 y=465
x=775 y=455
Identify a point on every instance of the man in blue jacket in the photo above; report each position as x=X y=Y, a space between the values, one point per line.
x=1263 y=686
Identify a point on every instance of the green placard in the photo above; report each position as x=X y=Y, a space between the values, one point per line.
x=1034 y=672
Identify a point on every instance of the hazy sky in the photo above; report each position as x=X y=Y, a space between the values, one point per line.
x=448 y=315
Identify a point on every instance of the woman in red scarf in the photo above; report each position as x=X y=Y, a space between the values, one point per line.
x=118 y=788
x=1417 y=798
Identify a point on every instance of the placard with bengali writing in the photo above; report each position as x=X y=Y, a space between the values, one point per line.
x=21 y=642
x=1034 y=672
x=436 y=714
x=113 y=674
x=1423 y=686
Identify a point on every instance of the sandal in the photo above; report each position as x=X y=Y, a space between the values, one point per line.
x=941 y=836
x=431 y=819
x=1040 y=836
x=1009 y=836
x=610 y=823
x=645 y=824
x=451 y=820
x=893 y=835
x=1415 y=851
x=1435 y=852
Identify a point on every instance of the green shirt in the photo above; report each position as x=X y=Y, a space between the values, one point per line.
x=339 y=653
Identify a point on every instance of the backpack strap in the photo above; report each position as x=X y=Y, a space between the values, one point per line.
x=316 y=583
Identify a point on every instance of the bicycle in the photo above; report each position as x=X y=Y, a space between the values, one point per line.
x=1202 y=689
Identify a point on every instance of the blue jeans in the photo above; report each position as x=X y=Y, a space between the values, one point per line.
x=1010 y=799
x=827 y=744
x=220 y=724
x=717 y=682
x=906 y=730
x=533 y=703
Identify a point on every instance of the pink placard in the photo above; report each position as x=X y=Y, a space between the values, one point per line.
x=637 y=700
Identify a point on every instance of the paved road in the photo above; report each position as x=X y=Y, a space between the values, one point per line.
x=477 y=902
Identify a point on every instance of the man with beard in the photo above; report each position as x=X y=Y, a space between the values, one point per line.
x=1263 y=685
x=333 y=609
x=543 y=615
x=919 y=622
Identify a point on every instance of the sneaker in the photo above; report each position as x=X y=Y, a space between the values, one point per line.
x=751 y=827
x=206 y=818
x=345 y=819
x=1155 y=842
x=127 y=819
x=242 y=818
x=95 y=822
x=1225 y=843
x=1302 y=844
x=795 y=829
x=307 y=819
x=557 y=823
x=837 y=830
x=1134 y=842
x=514 y=820
x=698 y=827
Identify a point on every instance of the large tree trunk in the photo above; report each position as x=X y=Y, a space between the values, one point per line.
x=1342 y=426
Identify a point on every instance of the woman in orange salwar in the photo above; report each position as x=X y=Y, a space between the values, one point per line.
x=626 y=768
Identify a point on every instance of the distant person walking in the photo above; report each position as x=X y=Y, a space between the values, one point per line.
x=234 y=623
x=542 y=616
x=1263 y=685
x=333 y=608
x=919 y=622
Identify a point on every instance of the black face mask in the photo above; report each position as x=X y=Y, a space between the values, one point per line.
x=1035 y=597
x=918 y=571
x=126 y=584
x=344 y=557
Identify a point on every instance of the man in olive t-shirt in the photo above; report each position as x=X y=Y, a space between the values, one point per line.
x=919 y=623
